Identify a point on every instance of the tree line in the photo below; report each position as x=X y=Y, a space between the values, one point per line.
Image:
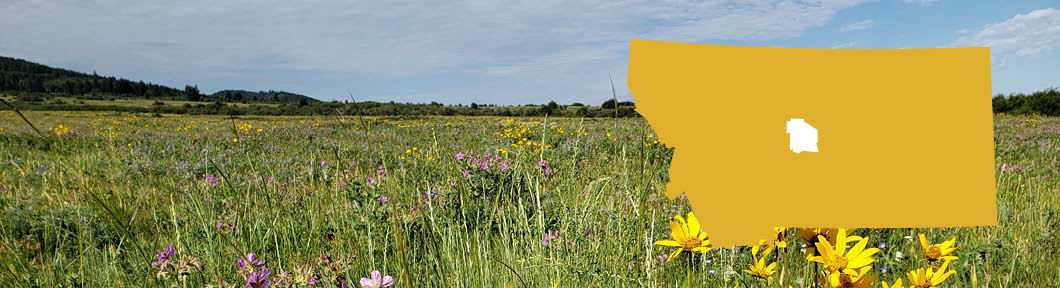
x=1045 y=102
x=609 y=108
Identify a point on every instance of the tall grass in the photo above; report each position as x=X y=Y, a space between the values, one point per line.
x=102 y=200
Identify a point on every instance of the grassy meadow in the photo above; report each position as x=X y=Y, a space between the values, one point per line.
x=322 y=201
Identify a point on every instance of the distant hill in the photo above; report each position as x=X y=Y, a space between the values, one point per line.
x=19 y=76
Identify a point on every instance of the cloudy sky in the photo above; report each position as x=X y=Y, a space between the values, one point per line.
x=501 y=52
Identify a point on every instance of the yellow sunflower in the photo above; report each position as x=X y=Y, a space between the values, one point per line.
x=687 y=236
x=838 y=279
x=941 y=251
x=841 y=260
x=928 y=277
x=759 y=268
x=810 y=236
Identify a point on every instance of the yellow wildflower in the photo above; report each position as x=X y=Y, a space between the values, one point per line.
x=928 y=277
x=941 y=251
x=841 y=260
x=687 y=236
x=759 y=268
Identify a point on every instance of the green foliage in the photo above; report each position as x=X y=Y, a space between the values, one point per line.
x=1045 y=102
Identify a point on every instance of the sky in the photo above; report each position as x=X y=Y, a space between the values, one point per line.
x=493 y=52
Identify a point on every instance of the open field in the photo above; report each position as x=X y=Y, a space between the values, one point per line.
x=435 y=201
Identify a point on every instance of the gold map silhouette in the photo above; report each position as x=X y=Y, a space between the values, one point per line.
x=905 y=135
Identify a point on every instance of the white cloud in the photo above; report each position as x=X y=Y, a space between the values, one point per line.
x=1023 y=35
x=568 y=46
x=860 y=25
x=921 y=2
x=844 y=45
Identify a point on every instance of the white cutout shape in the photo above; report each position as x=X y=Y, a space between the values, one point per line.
x=801 y=136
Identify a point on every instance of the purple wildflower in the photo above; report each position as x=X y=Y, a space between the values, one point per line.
x=1011 y=168
x=381 y=171
x=210 y=179
x=484 y=165
x=664 y=257
x=163 y=257
x=377 y=280
x=883 y=269
x=882 y=245
x=251 y=259
x=3 y=188
x=382 y=199
x=270 y=179
x=259 y=279
x=371 y=180
x=504 y=166
x=323 y=163
x=542 y=163
x=549 y=238
x=460 y=156
x=466 y=174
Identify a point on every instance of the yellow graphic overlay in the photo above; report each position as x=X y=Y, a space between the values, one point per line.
x=905 y=136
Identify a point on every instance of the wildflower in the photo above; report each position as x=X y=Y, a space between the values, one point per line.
x=252 y=259
x=210 y=179
x=377 y=280
x=504 y=166
x=259 y=279
x=3 y=188
x=323 y=163
x=1011 y=168
x=382 y=199
x=841 y=261
x=371 y=180
x=687 y=236
x=928 y=277
x=882 y=245
x=549 y=238
x=381 y=171
x=942 y=251
x=759 y=268
x=664 y=257
x=810 y=237
x=460 y=156
x=857 y=280
x=163 y=257
x=466 y=174
x=883 y=269
x=484 y=165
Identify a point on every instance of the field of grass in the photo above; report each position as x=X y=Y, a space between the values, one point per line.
x=432 y=202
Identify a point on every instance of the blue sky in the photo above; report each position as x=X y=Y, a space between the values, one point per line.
x=513 y=52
